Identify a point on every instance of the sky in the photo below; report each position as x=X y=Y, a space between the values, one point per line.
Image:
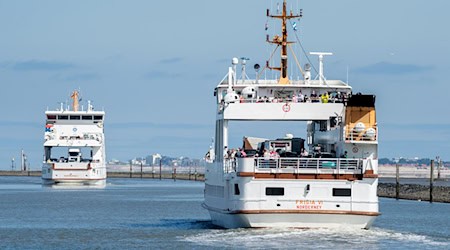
x=153 y=66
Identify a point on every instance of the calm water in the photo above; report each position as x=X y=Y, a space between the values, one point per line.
x=149 y=214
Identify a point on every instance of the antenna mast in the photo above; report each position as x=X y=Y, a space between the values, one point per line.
x=283 y=42
x=74 y=97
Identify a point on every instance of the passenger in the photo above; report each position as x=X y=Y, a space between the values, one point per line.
x=225 y=152
x=314 y=96
x=242 y=153
x=266 y=153
x=325 y=97
x=294 y=98
x=304 y=153
x=274 y=154
x=233 y=153
x=338 y=97
x=301 y=97
x=344 y=155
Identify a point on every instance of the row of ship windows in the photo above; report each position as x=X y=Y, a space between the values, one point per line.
x=277 y=191
x=75 y=117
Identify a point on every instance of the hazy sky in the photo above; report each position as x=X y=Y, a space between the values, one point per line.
x=153 y=65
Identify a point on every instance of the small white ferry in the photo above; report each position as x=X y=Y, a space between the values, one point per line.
x=74 y=145
x=328 y=178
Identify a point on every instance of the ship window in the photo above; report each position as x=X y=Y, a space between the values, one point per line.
x=63 y=117
x=51 y=117
x=98 y=117
x=86 y=117
x=274 y=191
x=342 y=192
x=74 y=117
x=236 y=189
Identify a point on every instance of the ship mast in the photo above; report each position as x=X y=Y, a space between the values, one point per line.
x=74 y=97
x=283 y=42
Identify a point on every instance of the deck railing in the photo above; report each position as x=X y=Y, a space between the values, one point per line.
x=352 y=135
x=295 y=165
x=308 y=163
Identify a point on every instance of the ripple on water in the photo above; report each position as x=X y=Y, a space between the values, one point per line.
x=341 y=238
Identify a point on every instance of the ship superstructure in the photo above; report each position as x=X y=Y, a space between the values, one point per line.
x=74 y=145
x=328 y=178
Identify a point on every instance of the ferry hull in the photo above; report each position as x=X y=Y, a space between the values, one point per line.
x=292 y=220
x=93 y=182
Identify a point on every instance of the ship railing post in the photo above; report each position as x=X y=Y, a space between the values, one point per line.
x=338 y=165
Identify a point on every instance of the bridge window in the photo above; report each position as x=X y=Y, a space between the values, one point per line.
x=74 y=117
x=98 y=117
x=86 y=117
x=51 y=117
x=274 y=191
x=63 y=117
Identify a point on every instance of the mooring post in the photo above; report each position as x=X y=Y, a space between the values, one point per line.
x=439 y=169
x=160 y=172
x=153 y=171
x=397 y=181
x=131 y=169
x=174 y=173
x=431 y=180
x=141 y=170
x=189 y=173
x=195 y=173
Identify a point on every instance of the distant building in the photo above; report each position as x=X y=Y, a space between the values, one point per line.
x=153 y=159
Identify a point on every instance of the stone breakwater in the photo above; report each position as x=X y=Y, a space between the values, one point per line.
x=415 y=192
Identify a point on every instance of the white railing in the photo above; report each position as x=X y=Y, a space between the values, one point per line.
x=352 y=135
x=309 y=163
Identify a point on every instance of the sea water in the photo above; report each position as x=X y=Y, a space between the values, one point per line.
x=167 y=214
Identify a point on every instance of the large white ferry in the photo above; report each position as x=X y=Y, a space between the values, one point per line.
x=281 y=182
x=74 y=145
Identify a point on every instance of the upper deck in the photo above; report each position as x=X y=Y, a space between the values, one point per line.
x=269 y=100
x=74 y=128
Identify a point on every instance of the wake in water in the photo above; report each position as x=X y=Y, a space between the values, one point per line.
x=375 y=238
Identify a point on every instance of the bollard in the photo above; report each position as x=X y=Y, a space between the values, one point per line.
x=141 y=169
x=439 y=169
x=397 y=181
x=160 y=172
x=131 y=169
x=153 y=171
x=431 y=180
x=174 y=173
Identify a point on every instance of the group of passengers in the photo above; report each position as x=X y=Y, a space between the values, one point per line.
x=326 y=97
x=232 y=154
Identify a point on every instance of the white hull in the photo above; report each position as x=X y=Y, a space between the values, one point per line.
x=90 y=182
x=293 y=220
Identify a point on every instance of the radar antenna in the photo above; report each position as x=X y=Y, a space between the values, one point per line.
x=321 y=54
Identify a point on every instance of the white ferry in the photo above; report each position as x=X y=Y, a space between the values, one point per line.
x=74 y=146
x=326 y=179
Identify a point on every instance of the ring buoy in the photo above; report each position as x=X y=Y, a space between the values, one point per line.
x=286 y=107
